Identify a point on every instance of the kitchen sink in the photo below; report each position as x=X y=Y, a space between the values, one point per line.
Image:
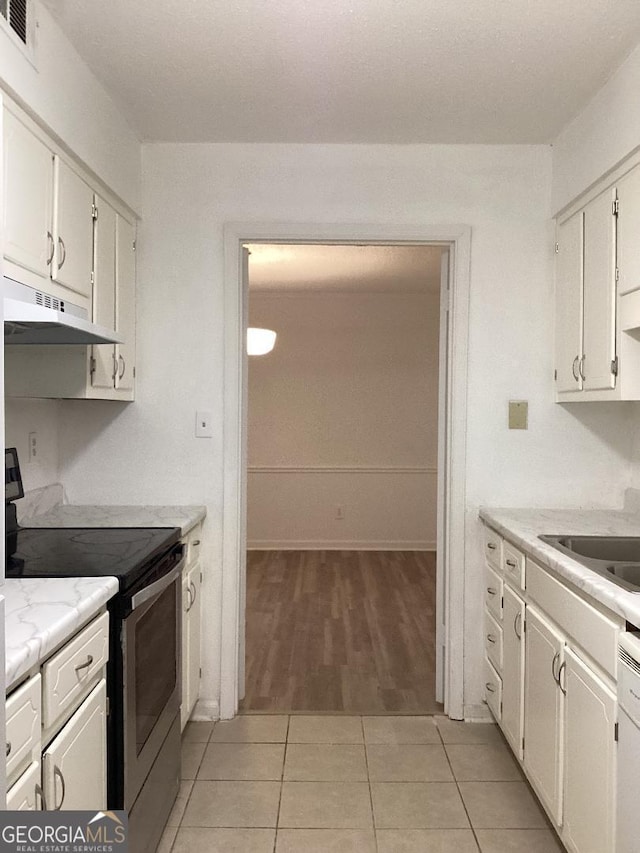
x=616 y=558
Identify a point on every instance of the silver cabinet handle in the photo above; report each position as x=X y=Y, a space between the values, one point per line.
x=491 y=546
x=196 y=543
x=124 y=366
x=8 y=748
x=490 y=687
x=511 y=563
x=491 y=638
x=64 y=253
x=492 y=591
x=84 y=665
x=574 y=368
x=115 y=366
x=517 y=625
x=560 y=671
x=555 y=660
x=52 y=247
x=192 y=586
x=190 y=599
x=581 y=368
x=57 y=772
x=40 y=793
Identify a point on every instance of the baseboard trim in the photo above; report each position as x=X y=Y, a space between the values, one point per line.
x=206 y=710
x=335 y=545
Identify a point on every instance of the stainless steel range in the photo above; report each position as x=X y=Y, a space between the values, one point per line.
x=143 y=676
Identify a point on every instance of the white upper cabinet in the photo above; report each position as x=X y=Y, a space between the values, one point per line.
x=597 y=309
x=72 y=230
x=569 y=304
x=27 y=201
x=126 y=307
x=598 y=370
x=103 y=365
x=628 y=232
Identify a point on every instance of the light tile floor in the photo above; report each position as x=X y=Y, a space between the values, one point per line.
x=305 y=784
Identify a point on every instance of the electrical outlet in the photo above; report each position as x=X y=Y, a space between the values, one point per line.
x=33 y=446
x=518 y=414
x=339 y=512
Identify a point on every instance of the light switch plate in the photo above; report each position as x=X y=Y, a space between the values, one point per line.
x=204 y=425
x=518 y=414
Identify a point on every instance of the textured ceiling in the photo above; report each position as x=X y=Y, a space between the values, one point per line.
x=377 y=71
x=380 y=269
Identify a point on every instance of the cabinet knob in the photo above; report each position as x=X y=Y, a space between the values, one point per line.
x=491 y=546
x=491 y=638
x=492 y=591
x=490 y=687
x=511 y=563
x=8 y=748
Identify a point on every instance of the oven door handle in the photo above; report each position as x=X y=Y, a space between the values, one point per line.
x=156 y=588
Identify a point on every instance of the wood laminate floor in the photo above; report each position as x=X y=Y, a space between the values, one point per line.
x=341 y=631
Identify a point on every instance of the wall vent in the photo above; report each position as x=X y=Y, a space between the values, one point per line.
x=16 y=13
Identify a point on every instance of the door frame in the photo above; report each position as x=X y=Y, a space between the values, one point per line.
x=451 y=516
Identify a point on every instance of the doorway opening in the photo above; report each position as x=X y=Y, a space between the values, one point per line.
x=451 y=439
x=342 y=478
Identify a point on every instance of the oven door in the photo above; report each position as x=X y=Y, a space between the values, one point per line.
x=151 y=675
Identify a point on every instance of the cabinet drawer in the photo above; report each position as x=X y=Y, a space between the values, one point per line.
x=492 y=547
x=493 y=593
x=513 y=565
x=24 y=795
x=493 y=640
x=493 y=689
x=593 y=631
x=192 y=544
x=23 y=725
x=66 y=675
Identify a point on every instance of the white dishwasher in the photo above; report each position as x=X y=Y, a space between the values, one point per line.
x=628 y=789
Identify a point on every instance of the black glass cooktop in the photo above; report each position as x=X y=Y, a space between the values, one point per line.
x=61 y=552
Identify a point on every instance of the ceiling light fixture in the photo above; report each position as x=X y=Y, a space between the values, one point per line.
x=260 y=341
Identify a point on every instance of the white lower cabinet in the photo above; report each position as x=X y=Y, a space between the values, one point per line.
x=74 y=765
x=543 y=709
x=191 y=586
x=26 y=794
x=590 y=755
x=513 y=669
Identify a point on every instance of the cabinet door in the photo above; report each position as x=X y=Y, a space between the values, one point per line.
x=194 y=636
x=185 y=711
x=543 y=710
x=126 y=304
x=72 y=230
x=25 y=795
x=599 y=294
x=74 y=765
x=568 y=333
x=513 y=669
x=628 y=232
x=589 y=749
x=27 y=202
x=104 y=292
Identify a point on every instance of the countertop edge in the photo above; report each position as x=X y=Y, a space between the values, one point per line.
x=30 y=603
x=505 y=521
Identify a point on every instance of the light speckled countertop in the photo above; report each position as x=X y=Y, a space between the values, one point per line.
x=70 y=515
x=42 y=613
x=522 y=527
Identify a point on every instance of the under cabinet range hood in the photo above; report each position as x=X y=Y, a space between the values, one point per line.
x=34 y=317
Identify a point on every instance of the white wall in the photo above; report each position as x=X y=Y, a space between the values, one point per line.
x=344 y=411
x=605 y=132
x=41 y=417
x=569 y=456
x=62 y=91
